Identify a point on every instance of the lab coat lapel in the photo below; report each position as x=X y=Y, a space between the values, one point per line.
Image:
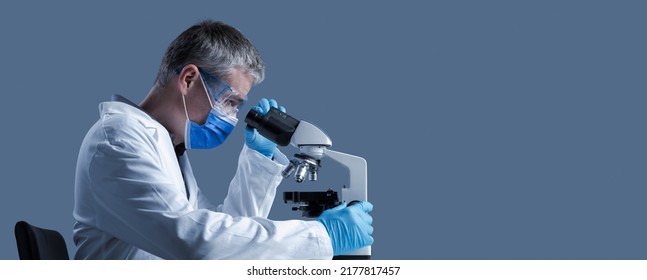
x=189 y=179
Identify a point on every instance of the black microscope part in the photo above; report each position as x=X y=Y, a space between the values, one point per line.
x=312 y=204
x=275 y=125
x=352 y=202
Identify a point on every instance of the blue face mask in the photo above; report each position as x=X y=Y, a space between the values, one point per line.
x=213 y=132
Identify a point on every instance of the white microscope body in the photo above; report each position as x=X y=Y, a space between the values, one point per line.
x=313 y=145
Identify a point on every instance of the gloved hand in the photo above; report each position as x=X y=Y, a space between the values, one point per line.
x=255 y=140
x=349 y=227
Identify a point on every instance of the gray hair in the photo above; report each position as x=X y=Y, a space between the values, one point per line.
x=214 y=47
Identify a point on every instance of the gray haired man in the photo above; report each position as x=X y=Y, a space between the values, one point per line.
x=135 y=193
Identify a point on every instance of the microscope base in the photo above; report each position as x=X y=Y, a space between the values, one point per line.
x=352 y=257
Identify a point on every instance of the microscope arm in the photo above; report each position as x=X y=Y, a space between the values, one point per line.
x=357 y=188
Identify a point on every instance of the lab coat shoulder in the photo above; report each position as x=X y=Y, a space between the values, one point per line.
x=127 y=130
x=126 y=152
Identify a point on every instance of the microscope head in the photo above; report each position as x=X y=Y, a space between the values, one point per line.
x=312 y=143
x=283 y=129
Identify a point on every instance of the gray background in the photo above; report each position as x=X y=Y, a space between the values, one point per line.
x=498 y=130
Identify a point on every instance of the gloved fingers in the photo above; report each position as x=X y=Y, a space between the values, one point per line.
x=370 y=230
x=250 y=134
x=257 y=108
x=264 y=104
x=369 y=241
x=365 y=205
x=368 y=207
x=366 y=218
x=274 y=104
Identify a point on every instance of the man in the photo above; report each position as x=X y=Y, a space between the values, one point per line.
x=136 y=196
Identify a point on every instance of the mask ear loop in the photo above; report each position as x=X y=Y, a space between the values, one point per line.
x=185 y=110
x=187 y=141
x=206 y=90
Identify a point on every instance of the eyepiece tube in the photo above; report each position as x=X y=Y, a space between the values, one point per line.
x=275 y=125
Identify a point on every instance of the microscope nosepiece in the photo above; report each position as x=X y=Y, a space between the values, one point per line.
x=302 y=164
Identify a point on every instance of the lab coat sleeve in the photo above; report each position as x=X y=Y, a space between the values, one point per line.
x=253 y=188
x=135 y=201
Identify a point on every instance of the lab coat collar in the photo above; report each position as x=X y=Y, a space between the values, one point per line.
x=179 y=148
x=119 y=98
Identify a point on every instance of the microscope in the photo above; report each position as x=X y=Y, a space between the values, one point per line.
x=313 y=145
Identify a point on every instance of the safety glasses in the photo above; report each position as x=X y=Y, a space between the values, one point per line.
x=227 y=99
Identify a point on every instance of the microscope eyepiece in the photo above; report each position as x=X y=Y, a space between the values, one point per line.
x=275 y=125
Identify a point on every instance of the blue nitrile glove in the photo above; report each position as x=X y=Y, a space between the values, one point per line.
x=349 y=227
x=255 y=140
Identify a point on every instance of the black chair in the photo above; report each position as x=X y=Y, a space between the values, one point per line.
x=36 y=243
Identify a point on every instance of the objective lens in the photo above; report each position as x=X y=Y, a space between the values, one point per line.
x=289 y=169
x=312 y=172
x=301 y=172
x=312 y=175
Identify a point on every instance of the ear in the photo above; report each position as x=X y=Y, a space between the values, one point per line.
x=187 y=78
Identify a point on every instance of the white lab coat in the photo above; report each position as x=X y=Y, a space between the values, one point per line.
x=131 y=200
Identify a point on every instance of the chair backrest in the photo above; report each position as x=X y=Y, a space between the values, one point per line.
x=36 y=243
